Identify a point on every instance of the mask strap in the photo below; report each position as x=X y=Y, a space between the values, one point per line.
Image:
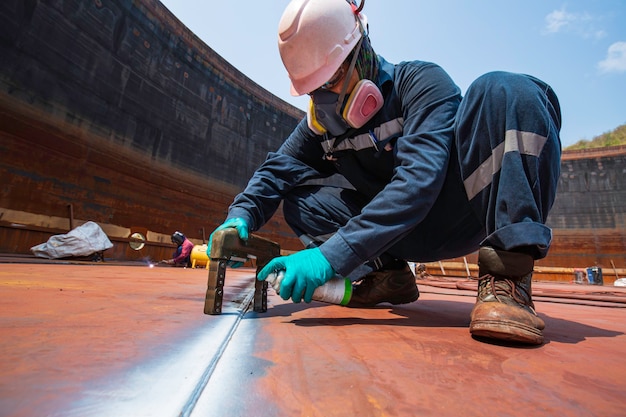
x=356 y=9
x=346 y=82
x=356 y=51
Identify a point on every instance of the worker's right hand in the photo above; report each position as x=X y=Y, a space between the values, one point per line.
x=304 y=272
x=242 y=230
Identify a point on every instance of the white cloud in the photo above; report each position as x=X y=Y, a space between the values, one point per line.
x=559 y=19
x=582 y=24
x=615 y=60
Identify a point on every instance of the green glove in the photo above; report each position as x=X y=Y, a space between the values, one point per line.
x=304 y=272
x=242 y=229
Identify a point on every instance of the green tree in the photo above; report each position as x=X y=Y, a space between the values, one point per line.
x=615 y=137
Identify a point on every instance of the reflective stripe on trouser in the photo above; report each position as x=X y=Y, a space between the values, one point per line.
x=507 y=135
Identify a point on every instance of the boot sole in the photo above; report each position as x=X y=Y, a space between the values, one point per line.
x=507 y=331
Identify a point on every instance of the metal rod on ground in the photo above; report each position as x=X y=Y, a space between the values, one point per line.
x=71 y=214
x=466 y=267
x=614 y=269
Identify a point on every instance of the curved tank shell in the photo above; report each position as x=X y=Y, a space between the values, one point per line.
x=115 y=112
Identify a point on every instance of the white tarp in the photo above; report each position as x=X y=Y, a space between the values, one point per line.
x=82 y=241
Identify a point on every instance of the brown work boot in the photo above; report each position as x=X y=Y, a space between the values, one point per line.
x=504 y=308
x=395 y=286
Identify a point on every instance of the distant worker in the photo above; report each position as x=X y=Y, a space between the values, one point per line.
x=182 y=256
x=434 y=175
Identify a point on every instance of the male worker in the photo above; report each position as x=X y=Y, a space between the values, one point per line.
x=435 y=175
x=182 y=255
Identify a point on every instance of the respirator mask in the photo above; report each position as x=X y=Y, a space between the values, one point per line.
x=330 y=112
x=333 y=113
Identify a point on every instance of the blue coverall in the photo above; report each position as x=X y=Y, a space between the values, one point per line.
x=434 y=175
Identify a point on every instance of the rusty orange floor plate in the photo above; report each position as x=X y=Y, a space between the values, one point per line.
x=105 y=340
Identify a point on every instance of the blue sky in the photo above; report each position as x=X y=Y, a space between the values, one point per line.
x=578 y=47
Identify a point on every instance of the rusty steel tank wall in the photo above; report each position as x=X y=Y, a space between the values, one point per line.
x=136 y=75
x=589 y=215
x=592 y=190
x=115 y=107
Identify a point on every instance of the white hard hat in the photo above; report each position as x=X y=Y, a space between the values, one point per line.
x=314 y=38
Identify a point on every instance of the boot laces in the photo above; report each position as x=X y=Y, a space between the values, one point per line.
x=505 y=287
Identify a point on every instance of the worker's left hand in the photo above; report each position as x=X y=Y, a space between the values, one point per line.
x=304 y=272
x=242 y=230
